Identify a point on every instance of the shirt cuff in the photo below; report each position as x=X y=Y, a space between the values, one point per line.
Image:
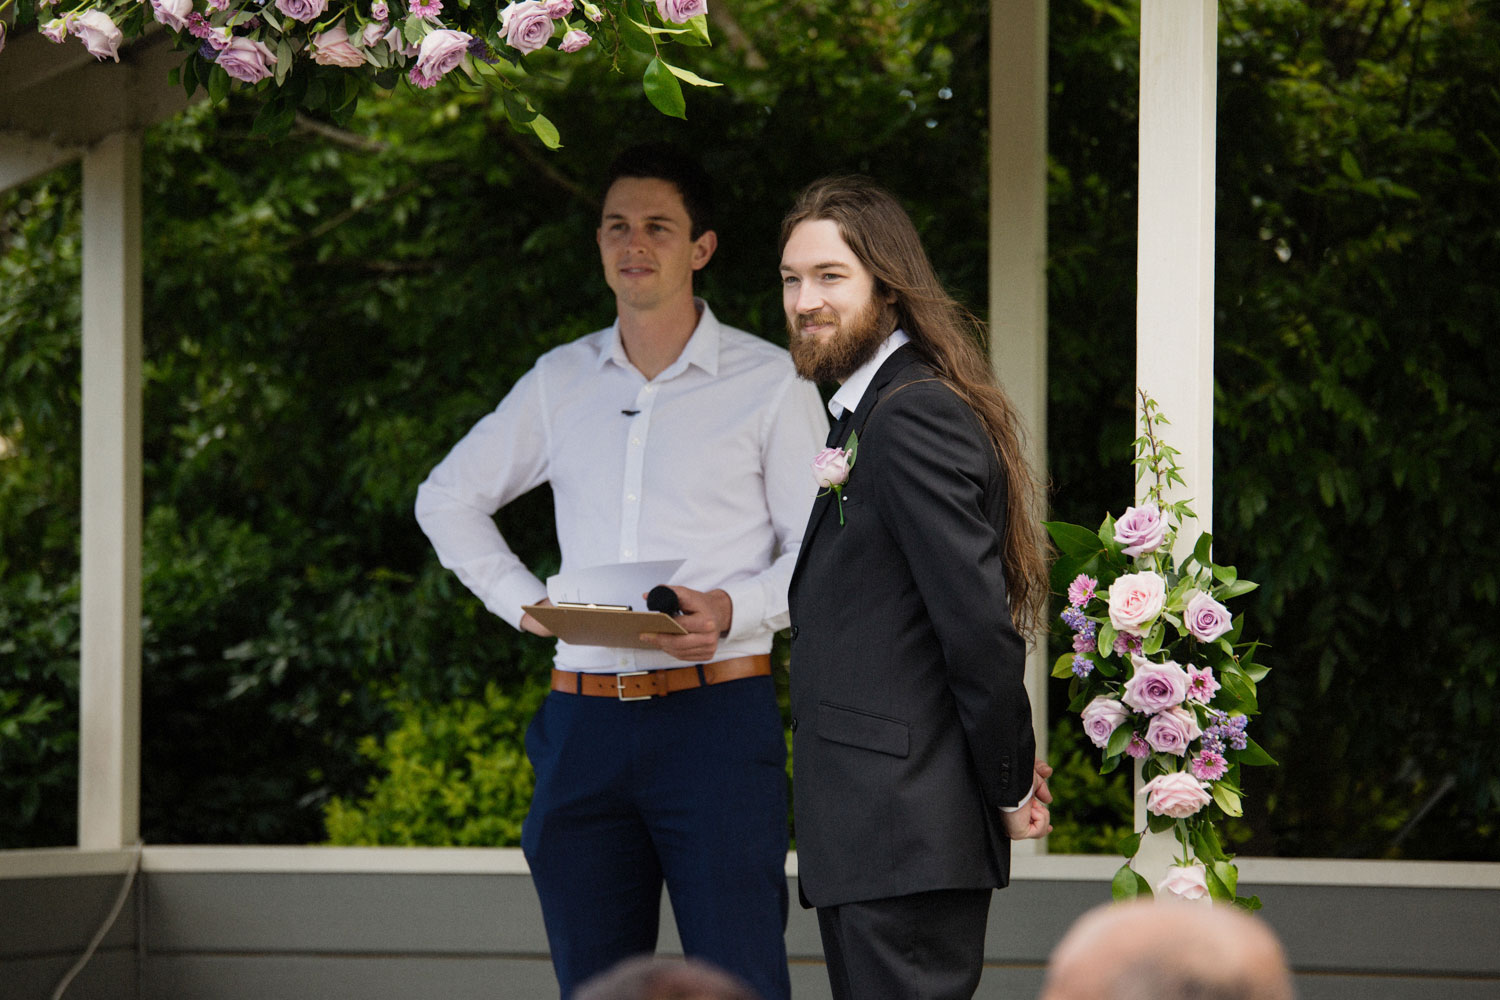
x=1024 y=800
x=747 y=604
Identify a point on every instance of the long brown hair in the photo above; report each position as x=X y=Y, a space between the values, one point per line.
x=878 y=230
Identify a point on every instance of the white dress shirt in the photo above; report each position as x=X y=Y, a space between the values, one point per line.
x=709 y=462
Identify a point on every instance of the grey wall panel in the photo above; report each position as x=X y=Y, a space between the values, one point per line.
x=109 y=975
x=385 y=913
x=346 y=977
x=41 y=916
x=1328 y=987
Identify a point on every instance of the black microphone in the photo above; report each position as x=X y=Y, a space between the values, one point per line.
x=664 y=599
x=630 y=413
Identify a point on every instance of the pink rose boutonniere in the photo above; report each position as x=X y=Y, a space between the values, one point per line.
x=831 y=468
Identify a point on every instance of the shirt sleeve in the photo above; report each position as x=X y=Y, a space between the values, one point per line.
x=502 y=457
x=795 y=432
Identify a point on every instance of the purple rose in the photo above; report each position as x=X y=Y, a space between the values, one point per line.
x=56 y=30
x=525 y=26
x=440 y=51
x=1155 y=686
x=1207 y=619
x=681 y=11
x=247 y=60
x=1101 y=718
x=1171 y=730
x=1141 y=529
x=558 y=9
x=98 y=34
x=172 y=13
x=379 y=11
x=574 y=40
x=302 y=10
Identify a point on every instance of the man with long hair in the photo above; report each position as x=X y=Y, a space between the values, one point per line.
x=922 y=569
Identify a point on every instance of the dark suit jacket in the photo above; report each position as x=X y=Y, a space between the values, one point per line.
x=911 y=723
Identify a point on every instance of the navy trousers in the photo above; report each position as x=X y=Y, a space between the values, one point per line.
x=689 y=790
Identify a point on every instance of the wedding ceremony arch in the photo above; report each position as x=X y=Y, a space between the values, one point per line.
x=397 y=922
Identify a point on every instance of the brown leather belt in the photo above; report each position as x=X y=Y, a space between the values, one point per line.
x=641 y=684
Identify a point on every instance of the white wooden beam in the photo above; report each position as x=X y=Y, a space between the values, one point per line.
x=1175 y=268
x=23 y=158
x=1018 y=254
x=110 y=678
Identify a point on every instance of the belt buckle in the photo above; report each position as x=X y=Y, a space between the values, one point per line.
x=620 y=686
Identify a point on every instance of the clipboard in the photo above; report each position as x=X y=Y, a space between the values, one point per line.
x=603 y=626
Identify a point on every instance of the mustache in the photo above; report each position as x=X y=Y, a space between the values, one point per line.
x=806 y=320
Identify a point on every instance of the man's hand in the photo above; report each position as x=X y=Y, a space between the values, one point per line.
x=705 y=616
x=1034 y=819
x=530 y=624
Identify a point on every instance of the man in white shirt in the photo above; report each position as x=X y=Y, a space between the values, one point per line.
x=665 y=436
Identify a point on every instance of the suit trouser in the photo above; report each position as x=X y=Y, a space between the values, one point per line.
x=926 y=946
x=690 y=790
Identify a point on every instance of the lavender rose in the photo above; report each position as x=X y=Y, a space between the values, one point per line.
x=1184 y=882
x=57 y=29
x=98 y=34
x=681 y=11
x=1171 y=730
x=247 y=60
x=333 y=48
x=558 y=9
x=302 y=10
x=1141 y=529
x=1101 y=718
x=1207 y=619
x=371 y=33
x=574 y=40
x=831 y=467
x=1154 y=687
x=172 y=13
x=525 y=26
x=1135 y=599
x=440 y=51
x=1177 y=794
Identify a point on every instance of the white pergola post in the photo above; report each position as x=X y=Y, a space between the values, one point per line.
x=110 y=675
x=1018 y=255
x=1175 y=267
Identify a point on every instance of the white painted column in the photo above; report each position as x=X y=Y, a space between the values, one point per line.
x=1175 y=267
x=109 y=739
x=1018 y=255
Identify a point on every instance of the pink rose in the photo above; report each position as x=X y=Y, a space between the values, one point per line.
x=2 y=36
x=379 y=11
x=831 y=467
x=371 y=33
x=1201 y=684
x=1177 y=794
x=1155 y=686
x=1207 y=619
x=1171 y=730
x=56 y=30
x=332 y=48
x=1101 y=718
x=1184 y=882
x=172 y=13
x=219 y=38
x=440 y=51
x=557 y=9
x=397 y=42
x=247 y=60
x=98 y=34
x=302 y=10
x=1135 y=600
x=1141 y=529
x=574 y=40
x=681 y=11
x=525 y=26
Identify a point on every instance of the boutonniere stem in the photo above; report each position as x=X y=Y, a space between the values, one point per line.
x=831 y=468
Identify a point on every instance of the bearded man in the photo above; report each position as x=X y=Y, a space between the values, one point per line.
x=912 y=741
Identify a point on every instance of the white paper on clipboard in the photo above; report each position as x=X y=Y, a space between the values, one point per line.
x=621 y=584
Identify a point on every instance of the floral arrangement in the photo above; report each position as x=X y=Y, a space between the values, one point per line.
x=1159 y=672
x=318 y=51
x=831 y=468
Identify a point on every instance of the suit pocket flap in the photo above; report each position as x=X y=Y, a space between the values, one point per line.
x=864 y=730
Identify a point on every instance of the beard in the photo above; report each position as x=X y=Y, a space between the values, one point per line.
x=837 y=356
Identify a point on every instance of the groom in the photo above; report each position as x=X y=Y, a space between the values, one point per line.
x=912 y=742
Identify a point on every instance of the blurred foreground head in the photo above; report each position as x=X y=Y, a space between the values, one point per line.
x=1167 y=951
x=650 y=978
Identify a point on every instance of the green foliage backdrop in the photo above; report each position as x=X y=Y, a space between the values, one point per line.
x=325 y=315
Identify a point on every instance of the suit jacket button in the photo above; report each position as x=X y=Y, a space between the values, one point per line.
x=794 y=632
x=794 y=723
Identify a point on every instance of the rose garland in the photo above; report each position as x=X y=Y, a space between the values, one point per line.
x=250 y=41
x=1159 y=673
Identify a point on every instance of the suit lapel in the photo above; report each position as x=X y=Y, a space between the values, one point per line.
x=893 y=365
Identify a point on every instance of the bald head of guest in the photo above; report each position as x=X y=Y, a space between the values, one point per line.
x=1168 y=951
x=649 y=978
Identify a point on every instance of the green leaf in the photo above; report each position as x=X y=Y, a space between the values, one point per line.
x=663 y=90
x=1254 y=755
x=687 y=76
x=218 y=85
x=1248 y=903
x=1235 y=589
x=1154 y=639
x=1220 y=888
x=697 y=33
x=1118 y=740
x=1063 y=667
x=1225 y=574
x=1106 y=637
x=1128 y=884
x=518 y=109
x=853 y=442
x=1071 y=539
x=1159 y=824
x=1228 y=801
x=1350 y=166
x=1131 y=844
x=634 y=38
x=546 y=131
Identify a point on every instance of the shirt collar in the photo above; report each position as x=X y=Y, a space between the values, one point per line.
x=702 y=348
x=853 y=389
